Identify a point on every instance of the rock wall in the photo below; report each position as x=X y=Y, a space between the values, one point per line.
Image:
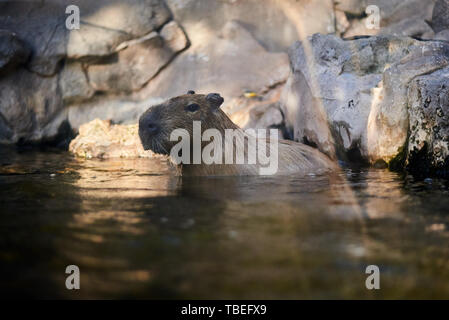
x=428 y=146
x=45 y=67
x=122 y=59
x=379 y=99
x=128 y=55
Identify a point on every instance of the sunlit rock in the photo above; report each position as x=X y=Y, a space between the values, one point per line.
x=229 y=64
x=274 y=24
x=102 y=139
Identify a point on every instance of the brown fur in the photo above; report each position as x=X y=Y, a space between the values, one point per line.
x=293 y=157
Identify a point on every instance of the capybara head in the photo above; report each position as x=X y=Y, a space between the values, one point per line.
x=159 y=121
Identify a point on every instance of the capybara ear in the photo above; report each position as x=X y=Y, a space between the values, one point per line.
x=190 y=92
x=215 y=100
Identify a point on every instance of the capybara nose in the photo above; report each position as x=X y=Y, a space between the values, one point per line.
x=152 y=127
x=149 y=124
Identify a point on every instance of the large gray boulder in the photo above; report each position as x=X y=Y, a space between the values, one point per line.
x=74 y=84
x=442 y=35
x=41 y=27
x=13 y=51
x=397 y=17
x=428 y=147
x=30 y=107
x=440 y=16
x=389 y=123
x=353 y=98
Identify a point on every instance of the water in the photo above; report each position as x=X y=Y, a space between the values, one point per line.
x=136 y=231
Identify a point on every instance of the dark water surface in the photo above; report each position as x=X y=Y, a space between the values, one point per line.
x=136 y=231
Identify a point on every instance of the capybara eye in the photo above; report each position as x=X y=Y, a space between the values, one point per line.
x=192 y=107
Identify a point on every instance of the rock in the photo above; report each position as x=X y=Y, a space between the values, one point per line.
x=74 y=84
x=174 y=37
x=42 y=27
x=274 y=24
x=6 y=132
x=102 y=139
x=358 y=28
x=30 y=111
x=261 y=116
x=138 y=61
x=104 y=25
x=305 y=116
x=442 y=35
x=353 y=7
x=428 y=148
x=393 y=12
x=13 y=51
x=119 y=109
x=350 y=98
x=440 y=16
x=229 y=64
x=388 y=123
x=397 y=17
x=342 y=23
x=413 y=27
x=82 y=43
x=260 y=112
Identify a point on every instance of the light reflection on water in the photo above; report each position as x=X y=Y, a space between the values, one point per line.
x=135 y=230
